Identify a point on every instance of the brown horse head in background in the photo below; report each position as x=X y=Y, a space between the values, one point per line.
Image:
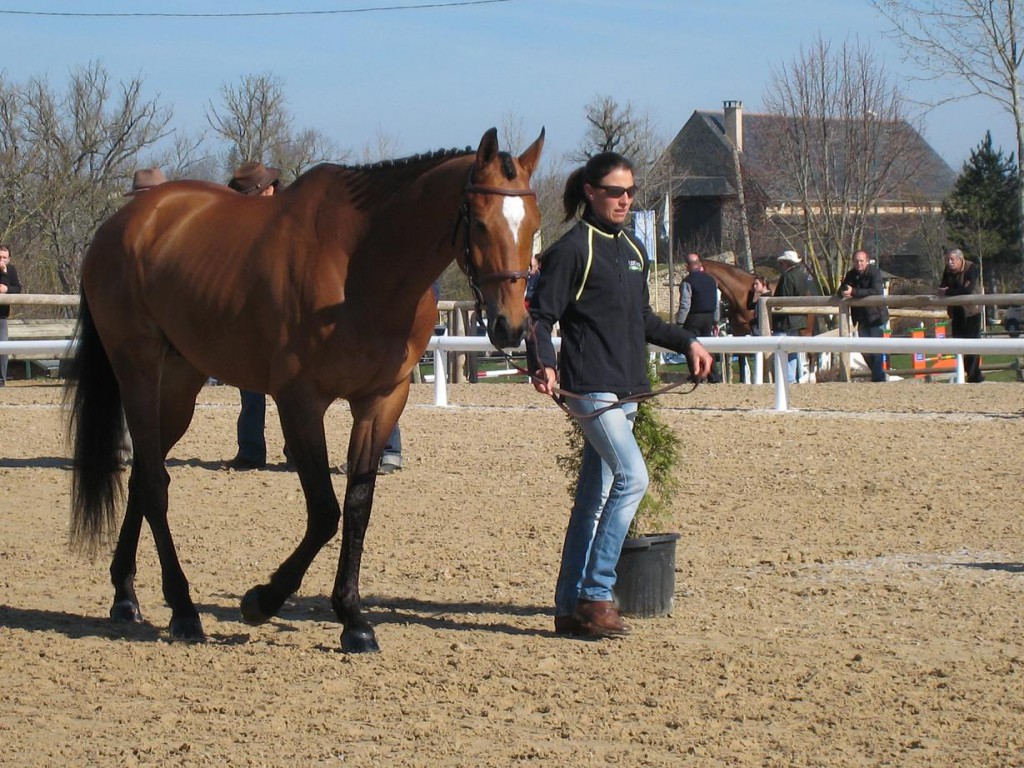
x=320 y=292
x=736 y=285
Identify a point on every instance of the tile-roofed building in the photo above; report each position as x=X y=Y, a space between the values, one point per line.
x=700 y=164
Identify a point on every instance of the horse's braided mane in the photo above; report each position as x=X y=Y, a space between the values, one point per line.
x=371 y=182
x=404 y=162
x=507 y=164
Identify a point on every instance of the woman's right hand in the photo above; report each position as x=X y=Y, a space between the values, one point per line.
x=545 y=381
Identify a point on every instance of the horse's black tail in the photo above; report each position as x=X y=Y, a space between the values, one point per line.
x=96 y=429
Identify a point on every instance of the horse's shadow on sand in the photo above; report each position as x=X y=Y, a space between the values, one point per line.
x=1008 y=567
x=37 y=462
x=379 y=610
x=63 y=462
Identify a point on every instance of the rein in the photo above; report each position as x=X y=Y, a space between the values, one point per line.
x=561 y=395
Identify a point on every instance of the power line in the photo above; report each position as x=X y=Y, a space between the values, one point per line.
x=371 y=9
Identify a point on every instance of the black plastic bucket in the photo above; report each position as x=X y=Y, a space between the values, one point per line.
x=646 y=575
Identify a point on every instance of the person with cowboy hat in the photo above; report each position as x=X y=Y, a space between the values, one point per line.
x=253 y=179
x=792 y=282
x=145 y=178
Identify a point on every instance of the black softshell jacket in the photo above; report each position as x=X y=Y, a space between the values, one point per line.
x=594 y=282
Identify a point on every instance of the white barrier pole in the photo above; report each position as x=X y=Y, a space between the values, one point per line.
x=440 y=378
x=960 y=377
x=759 y=368
x=781 y=381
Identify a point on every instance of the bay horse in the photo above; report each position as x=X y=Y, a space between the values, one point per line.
x=320 y=292
x=737 y=286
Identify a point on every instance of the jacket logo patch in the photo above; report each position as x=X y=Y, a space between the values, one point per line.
x=635 y=266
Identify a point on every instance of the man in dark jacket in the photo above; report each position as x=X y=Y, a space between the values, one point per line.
x=960 y=278
x=8 y=284
x=698 y=305
x=793 y=281
x=865 y=279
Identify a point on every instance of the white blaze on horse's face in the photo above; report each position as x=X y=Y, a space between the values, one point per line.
x=515 y=211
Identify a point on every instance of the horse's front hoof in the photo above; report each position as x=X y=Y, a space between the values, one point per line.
x=359 y=640
x=126 y=612
x=252 y=611
x=187 y=628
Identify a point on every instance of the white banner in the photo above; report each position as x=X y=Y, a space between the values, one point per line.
x=643 y=226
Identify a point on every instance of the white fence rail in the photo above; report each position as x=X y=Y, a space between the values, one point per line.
x=762 y=345
x=757 y=345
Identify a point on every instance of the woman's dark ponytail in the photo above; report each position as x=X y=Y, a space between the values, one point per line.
x=597 y=167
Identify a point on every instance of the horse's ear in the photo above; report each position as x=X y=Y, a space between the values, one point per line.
x=488 y=149
x=531 y=156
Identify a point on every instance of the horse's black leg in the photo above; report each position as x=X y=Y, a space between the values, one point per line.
x=357 y=635
x=158 y=416
x=373 y=422
x=302 y=423
x=122 y=566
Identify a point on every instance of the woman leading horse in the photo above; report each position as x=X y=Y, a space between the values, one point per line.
x=318 y=293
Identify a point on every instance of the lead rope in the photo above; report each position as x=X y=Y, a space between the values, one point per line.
x=561 y=395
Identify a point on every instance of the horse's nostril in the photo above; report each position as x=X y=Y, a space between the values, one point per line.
x=503 y=334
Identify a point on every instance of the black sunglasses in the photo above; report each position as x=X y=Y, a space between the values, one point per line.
x=617 y=192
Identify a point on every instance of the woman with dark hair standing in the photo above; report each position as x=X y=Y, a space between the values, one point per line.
x=594 y=283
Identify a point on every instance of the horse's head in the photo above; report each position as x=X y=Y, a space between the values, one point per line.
x=500 y=219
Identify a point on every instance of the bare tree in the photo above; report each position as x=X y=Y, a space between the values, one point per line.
x=302 y=151
x=252 y=118
x=254 y=121
x=384 y=145
x=843 y=144
x=513 y=133
x=979 y=43
x=612 y=127
x=65 y=161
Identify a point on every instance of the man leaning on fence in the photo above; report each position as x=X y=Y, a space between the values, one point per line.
x=8 y=284
x=865 y=279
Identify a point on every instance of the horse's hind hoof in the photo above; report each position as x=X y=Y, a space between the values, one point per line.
x=252 y=611
x=359 y=640
x=126 y=612
x=188 y=628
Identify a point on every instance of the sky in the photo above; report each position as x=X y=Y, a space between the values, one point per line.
x=431 y=78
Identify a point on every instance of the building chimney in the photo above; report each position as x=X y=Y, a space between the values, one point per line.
x=734 y=122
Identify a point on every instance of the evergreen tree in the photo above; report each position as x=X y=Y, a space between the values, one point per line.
x=981 y=211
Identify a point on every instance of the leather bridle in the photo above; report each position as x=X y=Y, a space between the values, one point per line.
x=476 y=280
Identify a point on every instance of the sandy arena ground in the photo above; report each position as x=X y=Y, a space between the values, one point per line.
x=849 y=593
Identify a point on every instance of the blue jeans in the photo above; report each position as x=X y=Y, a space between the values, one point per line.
x=394 y=444
x=792 y=361
x=612 y=481
x=252 y=445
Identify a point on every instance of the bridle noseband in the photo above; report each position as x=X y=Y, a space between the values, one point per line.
x=476 y=280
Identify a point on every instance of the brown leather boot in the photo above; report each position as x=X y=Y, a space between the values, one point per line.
x=600 y=618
